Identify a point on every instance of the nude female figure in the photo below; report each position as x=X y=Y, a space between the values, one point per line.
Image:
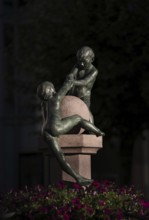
x=54 y=125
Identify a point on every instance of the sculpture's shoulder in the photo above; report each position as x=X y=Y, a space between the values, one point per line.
x=91 y=75
x=53 y=103
x=93 y=70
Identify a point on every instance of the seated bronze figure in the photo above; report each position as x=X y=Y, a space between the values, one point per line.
x=54 y=125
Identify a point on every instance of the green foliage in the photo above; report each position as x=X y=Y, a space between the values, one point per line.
x=103 y=201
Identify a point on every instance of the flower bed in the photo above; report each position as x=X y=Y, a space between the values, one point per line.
x=103 y=201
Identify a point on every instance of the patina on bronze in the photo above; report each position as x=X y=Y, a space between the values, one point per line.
x=85 y=74
x=54 y=125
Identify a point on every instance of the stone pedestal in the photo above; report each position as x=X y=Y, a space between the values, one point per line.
x=78 y=149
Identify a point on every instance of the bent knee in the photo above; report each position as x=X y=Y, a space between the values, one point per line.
x=56 y=131
x=53 y=131
x=47 y=136
x=77 y=118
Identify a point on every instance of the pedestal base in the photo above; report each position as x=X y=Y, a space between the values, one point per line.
x=78 y=150
x=80 y=163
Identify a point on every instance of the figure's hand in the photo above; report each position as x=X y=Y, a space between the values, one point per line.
x=74 y=71
x=70 y=80
x=79 y=66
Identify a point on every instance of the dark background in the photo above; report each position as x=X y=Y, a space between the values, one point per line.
x=39 y=42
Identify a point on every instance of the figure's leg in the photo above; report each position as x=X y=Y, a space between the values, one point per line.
x=52 y=141
x=91 y=128
x=91 y=118
x=66 y=124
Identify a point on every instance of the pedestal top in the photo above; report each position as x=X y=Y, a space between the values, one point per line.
x=80 y=143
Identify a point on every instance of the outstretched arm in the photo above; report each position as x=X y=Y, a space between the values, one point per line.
x=65 y=88
x=68 y=84
x=73 y=73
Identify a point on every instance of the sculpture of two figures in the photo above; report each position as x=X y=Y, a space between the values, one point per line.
x=78 y=83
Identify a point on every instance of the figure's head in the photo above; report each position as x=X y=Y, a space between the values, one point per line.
x=85 y=56
x=45 y=91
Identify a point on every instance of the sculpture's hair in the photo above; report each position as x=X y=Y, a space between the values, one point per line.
x=42 y=88
x=85 y=51
x=44 y=112
x=44 y=105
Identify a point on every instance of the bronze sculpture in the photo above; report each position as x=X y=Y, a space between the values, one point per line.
x=85 y=74
x=54 y=125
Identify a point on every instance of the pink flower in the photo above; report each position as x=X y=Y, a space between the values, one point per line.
x=96 y=185
x=119 y=215
x=90 y=210
x=76 y=203
x=64 y=212
x=61 y=185
x=106 y=182
x=107 y=211
x=76 y=186
x=60 y=211
x=66 y=217
x=144 y=204
x=102 y=203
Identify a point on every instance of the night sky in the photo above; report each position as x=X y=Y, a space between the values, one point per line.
x=48 y=35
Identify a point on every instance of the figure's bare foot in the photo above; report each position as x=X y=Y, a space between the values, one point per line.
x=100 y=133
x=84 y=182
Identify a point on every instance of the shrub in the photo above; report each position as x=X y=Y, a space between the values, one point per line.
x=101 y=200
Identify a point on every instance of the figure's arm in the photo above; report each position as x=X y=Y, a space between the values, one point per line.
x=65 y=88
x=73 y=73
x=90 y=78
